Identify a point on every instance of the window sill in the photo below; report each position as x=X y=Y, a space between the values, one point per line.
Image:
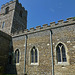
x=62 y=63
x=16 y=64
x=34 y=64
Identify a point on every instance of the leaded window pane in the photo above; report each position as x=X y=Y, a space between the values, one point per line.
x=32 y=56
x=18 y=57
x=58 y=54
x=63 y=54
x=36 y=56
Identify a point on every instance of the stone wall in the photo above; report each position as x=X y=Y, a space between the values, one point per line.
x=65 y=35
x=12 y=20
x=41 y=41
x=19 y=43
x=5 y=40
x=7 y=18
x=40 y=38
x=19 y=19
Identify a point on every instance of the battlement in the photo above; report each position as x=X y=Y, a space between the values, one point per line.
x=52 y=25
x=22 y=8
x=7 y=4
x=10 y=5
x=13 y=14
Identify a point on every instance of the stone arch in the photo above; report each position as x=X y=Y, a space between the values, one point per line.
x=17 y=56
x=6 y=10
x=66 y=52
x=35 y=56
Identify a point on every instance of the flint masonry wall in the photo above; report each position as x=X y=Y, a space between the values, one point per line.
x=66 y=35
x=62 y=32
x=18 y=43
x=41 y=41
x=40 y=38
x=19 y=19
x=16 y=18
x=7 y=18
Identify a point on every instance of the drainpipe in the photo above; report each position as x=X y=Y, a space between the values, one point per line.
x=52 y=52
x=25 y=54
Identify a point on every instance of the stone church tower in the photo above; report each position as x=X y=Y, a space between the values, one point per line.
x=13 y=17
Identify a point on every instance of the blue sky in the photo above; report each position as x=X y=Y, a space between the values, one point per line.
x=45 y=11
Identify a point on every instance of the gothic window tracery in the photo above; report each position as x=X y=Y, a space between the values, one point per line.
x=34 y=55
x=61 y=53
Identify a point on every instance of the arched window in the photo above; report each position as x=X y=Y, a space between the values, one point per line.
x=61 y=53
x=17 y=56
x=7 y=10
x=34 y=55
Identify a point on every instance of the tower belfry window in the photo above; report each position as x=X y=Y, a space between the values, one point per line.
x=7 y=10
x=3 y=25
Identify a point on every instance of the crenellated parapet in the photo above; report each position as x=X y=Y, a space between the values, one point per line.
x=4 y=5
x=14 y=16
x=52 y=24
x=61 y=23
x=8 y=3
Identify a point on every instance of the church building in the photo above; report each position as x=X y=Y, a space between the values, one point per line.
x=46 y=50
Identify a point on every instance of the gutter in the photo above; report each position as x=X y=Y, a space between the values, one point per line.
x=52 y=52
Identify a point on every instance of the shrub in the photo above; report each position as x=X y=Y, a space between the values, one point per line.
x=1 y=69
x=74 y=18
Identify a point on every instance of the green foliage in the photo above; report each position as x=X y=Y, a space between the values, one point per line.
x=9 y=74
x=25 y=73
x=1 y=69
x=73 y=17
